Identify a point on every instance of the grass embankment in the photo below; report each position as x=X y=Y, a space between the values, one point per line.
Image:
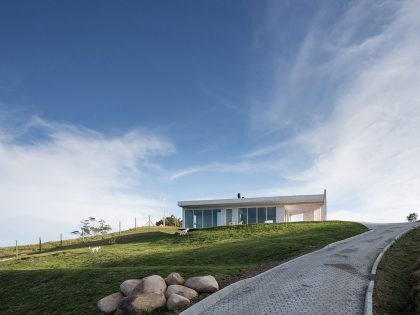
x=70 y=280
x=397 y=284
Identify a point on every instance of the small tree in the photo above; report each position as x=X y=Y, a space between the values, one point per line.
x=75 y=233
x=92 y=227
x=85 y=227
x=103 y=228
x=170 y=221
x=412 y=217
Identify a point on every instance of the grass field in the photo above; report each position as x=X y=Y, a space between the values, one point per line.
x=70 y=279
x=397 y=284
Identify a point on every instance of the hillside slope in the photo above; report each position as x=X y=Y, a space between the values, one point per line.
x=71 y=279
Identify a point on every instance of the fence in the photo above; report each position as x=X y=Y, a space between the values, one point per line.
x=18 y=251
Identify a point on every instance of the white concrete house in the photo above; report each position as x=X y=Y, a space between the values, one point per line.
x=210 y=213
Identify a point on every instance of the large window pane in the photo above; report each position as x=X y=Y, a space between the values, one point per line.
x=242 y=216
x=261 y=215
x=252 y=215
x=271 y=213
x=207 y=219
x=217 y=217
x=189 y=220
x=229 y=216
x=198 y=219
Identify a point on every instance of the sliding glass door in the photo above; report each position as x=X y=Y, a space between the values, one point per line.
x=229 y=218
x=207 y=218
x=256 y=215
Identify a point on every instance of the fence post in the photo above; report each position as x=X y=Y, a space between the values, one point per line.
x=119 y=227
x=61 y=239
x=39 y=244
x=135 y=223
x=17 y=250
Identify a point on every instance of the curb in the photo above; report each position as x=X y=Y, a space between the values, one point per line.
x=368 y=309
x=204 y=304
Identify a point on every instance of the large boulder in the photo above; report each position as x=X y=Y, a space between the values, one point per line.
x=181 y=290
x=128 y=286
x=142 y=303
x=176 y=302
x=110 y=303
x=174 y=278
x=204 y=284
x=154 y=284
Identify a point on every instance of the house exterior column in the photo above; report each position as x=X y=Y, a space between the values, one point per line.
x=280 y=214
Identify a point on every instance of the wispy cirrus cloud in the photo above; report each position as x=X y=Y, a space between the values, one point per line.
x=53 y=174
x=243 y=166
x=366 y=150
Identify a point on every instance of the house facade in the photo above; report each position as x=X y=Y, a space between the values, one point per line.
x=210 y=213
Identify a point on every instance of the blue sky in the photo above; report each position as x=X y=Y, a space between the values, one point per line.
x=118 y=110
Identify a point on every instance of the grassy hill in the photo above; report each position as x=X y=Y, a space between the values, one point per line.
x=70 y=279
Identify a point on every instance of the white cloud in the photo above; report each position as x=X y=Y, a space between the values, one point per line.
x=244 y=166
x=367 y=151
x=68 y=173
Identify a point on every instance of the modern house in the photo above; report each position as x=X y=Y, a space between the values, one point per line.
x=209 y=213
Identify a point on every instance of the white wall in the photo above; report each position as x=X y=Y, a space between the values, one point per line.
x=280 y=214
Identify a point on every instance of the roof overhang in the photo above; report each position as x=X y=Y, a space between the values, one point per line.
x=312 y=200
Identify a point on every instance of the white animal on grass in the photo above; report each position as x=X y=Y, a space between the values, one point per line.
x=94 y=249
x=184 y=232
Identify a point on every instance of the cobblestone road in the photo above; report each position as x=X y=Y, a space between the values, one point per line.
x=330 y=281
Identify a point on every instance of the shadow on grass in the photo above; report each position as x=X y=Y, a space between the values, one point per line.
x=251 y=251
x=221 y=252
x=74 y=291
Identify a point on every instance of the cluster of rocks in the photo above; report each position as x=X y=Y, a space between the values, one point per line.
x=139 y=296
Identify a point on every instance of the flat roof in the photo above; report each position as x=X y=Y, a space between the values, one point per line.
x=301 y=199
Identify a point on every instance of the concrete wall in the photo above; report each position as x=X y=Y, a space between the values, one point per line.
x=308 y=216
x=315 y=215
x=280 y=214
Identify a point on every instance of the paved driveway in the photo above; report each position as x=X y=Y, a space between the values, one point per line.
x=330 y=281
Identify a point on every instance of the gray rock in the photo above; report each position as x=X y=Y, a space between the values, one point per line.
x=176 y=302
x=154 y=284
x=110 y=303
x=128 y=286
x=204 y=284
x=174 y=278
x=141 y=303
x=181 y=290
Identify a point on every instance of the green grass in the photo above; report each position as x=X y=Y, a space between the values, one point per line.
x=70 y=280
x=397 y=284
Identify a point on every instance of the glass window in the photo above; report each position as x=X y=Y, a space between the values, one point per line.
x=217 y=217
x=198 y=219
x=229 y=217
x=242 y=217
x=271 y=213
x=189 y=220
x=262 y=215
x=207 y=218
x=252 y=215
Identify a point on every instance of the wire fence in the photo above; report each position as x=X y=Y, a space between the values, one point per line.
x=20 y=251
